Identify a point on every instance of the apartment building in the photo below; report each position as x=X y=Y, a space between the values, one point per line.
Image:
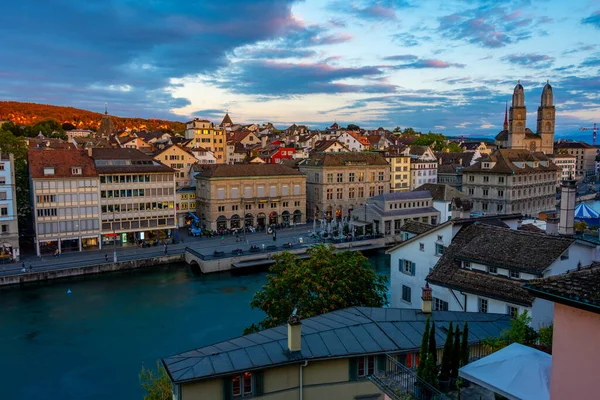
x=509 y=181
x=64 y=188
x=205 y=134
x=180 y=159
x=399 y=169
x=232 y=196
x=423 y=166
x=585 y=164
x=137 y=196
x=338 y=183
x=567 y=164
x=9 y=223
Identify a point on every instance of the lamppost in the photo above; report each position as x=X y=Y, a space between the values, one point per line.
x=114 y=236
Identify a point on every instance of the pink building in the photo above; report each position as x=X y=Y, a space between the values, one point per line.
x=575 y=348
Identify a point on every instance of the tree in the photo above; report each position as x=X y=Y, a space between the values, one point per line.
x=447 y=355
x=156 y=383
x=464 y=348
x=432 y=350
x=67 y=126
x=520 y=331
x=435 y=140
x=455 y=363
x=9 y=143
x=324 y=282
x=453 y=148
x=430 y=372
x=353 y=127
x=423 y=352
x=397 y=130
x=579 y=226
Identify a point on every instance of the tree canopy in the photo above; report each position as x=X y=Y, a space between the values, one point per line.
x=353 y=127
x=156 y=383
x=324 y=282
x=16 y=145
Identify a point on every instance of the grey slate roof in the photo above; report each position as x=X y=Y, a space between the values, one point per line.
x=344 y=333
x=399 y=196
x=416 y=227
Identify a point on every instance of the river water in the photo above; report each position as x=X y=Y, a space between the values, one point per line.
x=91 y=344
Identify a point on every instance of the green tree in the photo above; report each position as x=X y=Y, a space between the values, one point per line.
x=156 y=383
x=324 y=282
x=9 y=143
x=447 y=355
x=453 y=148
x=520 y=331
x=432 y=350
x=423 y=352
x=546 y=335
x=353 y=127
x=464 y=348
x=430 y=372
x=455 y=354
x=436 y=140
x=409 y=132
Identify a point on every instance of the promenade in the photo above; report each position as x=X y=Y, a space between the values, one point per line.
x=201 y=244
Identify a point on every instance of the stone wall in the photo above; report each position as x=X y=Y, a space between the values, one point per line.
x=23 y=278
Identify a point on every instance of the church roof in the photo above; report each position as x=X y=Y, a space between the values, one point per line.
x=226 y=120
x=505 y=160
x=502 y=136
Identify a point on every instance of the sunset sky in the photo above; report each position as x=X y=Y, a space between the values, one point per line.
x=445 y=66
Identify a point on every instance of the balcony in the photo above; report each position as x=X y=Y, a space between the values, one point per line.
x=401 y=383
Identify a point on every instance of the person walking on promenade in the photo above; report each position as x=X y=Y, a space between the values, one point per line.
x=165 y=249
x=106 y=257
x=222 y=239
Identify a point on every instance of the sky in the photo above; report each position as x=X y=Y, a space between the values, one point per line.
x=446 y=66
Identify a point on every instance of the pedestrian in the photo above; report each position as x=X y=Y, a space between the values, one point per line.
x=222 y=239
x=23 y=265
x=165 y=249
x=274 y=236
x=106 y=257
x=30 y=267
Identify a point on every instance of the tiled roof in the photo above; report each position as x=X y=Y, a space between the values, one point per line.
x=349 y=332
x=399 y=196
x=62 y=160
x=123 y=160
x=502 y=136
x=451 y=158
x=344 y=159
x=240 y=170
x=578 y=288
x=572 y=145
x=499 y=247
x=440 y=192
x=505 y=162
x=416 y=227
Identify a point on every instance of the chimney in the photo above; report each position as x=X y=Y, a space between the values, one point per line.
x=263 y=141
x=426 y=299
x=567 y=206
x=552 y=224
x=294 y=333
x=89 y=151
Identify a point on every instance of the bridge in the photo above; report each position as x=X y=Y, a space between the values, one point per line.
x=208 y=263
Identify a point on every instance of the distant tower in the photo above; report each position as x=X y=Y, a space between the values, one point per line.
x=107 y=128
x=567 y=206
x=506 y=117
x=546 y=119
x=517 y=119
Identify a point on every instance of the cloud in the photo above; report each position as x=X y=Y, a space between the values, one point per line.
x=591 y=62
x=413 y=62
x=407 y=39
x=284 y=79
x=530 y=59
x=593 y=20
x=486 y=26
x=380 y=10
x=274 y=53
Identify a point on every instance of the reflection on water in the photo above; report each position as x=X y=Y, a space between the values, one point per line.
x=91 y=344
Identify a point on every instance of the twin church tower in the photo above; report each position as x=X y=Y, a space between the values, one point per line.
x=517 y=136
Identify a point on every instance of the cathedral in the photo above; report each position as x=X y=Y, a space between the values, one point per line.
x=517 y=136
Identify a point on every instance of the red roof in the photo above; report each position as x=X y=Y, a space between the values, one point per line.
x=62 y=160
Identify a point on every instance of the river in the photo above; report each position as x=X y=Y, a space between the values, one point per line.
x=91 y=344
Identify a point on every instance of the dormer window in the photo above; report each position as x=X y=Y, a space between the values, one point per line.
x=486 y=165
x=76 y=170
x=48 y=171
x=466 y=265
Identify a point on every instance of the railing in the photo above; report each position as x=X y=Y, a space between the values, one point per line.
x=194 y=252
x=401 y=383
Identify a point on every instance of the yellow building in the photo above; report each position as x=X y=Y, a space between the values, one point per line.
x=180 y=160
x=399 y=171
x=205 y=134
x=344 y=354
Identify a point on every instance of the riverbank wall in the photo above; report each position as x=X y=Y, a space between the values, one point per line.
x=70 y=272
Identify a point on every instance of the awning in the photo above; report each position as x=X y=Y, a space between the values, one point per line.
x=516 y=372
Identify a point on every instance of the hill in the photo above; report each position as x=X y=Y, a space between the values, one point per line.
x=32 y=113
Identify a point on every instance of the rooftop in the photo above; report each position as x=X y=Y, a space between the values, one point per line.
x=61 y=160
x=123 y=160
x=349 y=332
x=416 y=227
x=504 y=162
x=344 y=159
x=399 y=196
x=241 y=170
x=441 y=192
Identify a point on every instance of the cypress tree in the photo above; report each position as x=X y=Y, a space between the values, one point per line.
x=455 y=354
x=432 y=345
x=423 y=352
x=447 y=355
x=464 y=349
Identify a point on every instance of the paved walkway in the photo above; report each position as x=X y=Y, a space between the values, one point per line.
x=201 y=244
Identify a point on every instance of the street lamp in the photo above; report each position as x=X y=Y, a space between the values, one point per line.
x=114 y=236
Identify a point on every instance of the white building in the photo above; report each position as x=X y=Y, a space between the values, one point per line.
x=442 y=198
x=567 y=164
x=352 y=141
x=423 y=166
x=9 y=232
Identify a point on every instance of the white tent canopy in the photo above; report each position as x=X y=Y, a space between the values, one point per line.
x=516 y=372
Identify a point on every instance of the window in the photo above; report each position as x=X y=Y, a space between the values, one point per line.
x=500 y=179
x=500 y=193
x=492 y=270
x=243 y=385
x=316 y=177
x=466 y=265
x=286 y=203
x=471 y=191
x=340 y=177
x=439 y=249
x=351 y=193
x=4 y=228
x=421 y=246
x=361 y=176
x=339 y=193
x=486 y=192
x=406 y=294
x=382 y=176
x=440 y=305
x=484 y=206
x=2 y=168
x=76 y=170
x=48 y=170
x=515 y=274
x=407 y=267
x=329 y=178
x=221 y=208
x=351 y=176
x=483 y=305
x=366 y=366
x=512 y=311
x=361 y=192
x=500 y=207
x=329 y=194
x=486 y=179
x=234 y=208
x=4 y=211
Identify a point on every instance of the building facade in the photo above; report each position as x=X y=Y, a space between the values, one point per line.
x=185 y=204
x=509 y=181
x=64 y=188
x=206 y=135
x=9 y=222
x=400 y=174
x=585 y=163
x=137 y=197
x=180 y=160
x=567 y=164
x=337 y=183
x=234 y=196
x=423 y=166
x=516 y=135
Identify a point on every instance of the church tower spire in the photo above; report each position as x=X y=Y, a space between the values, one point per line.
x=506 y=117
x=546 y=119
x=517 y=119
